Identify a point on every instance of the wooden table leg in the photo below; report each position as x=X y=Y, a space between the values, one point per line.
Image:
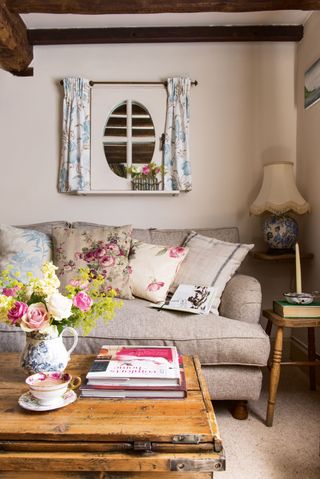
x=275 y=374
x=312 y=357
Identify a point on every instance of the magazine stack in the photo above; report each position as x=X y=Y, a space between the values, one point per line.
x=136 y=372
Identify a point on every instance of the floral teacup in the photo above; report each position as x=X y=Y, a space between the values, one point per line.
x=49 y=387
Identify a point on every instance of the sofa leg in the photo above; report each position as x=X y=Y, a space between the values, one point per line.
x=240 y=410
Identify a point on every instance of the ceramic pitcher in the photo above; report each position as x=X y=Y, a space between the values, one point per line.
x=46 y=351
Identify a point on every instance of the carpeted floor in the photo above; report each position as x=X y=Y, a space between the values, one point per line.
x=289 y=449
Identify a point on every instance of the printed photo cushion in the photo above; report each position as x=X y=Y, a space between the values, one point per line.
x=153 y=268
x=210 y=262
x=104 y=250
x=25 y=250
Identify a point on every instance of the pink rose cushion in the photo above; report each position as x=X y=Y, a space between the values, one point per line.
x=102 y=249
x=153 y=269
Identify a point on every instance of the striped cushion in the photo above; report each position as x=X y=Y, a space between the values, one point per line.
x=210 y=262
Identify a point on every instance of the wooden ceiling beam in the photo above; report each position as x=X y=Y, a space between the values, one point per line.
x=15 y=50
x=252 y=33
x=98 y=7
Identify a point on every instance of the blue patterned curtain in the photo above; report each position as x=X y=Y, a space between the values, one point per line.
x=74 y=174
x=176 y=146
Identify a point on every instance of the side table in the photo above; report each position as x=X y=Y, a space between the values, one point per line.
x=275 y=362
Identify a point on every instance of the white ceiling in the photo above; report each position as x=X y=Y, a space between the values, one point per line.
x=44 y=20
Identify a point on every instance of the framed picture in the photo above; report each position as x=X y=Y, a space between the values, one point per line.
x=312 y=85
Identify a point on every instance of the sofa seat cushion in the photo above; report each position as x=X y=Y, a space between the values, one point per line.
x=215 y=339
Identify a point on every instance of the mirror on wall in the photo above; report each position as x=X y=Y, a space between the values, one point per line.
x=129 y=137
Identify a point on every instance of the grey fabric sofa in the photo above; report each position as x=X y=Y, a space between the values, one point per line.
x=232 y=347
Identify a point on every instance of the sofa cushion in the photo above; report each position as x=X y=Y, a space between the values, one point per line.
x=210 y=262
x=215 y=339
x=153 y=268
x=104 y=250
x=25 y=250
x=172 y=237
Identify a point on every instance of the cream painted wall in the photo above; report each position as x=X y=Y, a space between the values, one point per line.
x=242 y=115
x=308 y=164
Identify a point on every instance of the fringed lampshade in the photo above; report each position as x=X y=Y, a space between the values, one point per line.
x=279 y=195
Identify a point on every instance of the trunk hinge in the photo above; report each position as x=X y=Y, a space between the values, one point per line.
x=186 y=439
x=142 y=446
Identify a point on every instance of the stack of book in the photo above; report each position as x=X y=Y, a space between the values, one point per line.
x=136 y=372
x=288 y=310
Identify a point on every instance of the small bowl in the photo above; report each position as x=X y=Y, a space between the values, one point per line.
x=299 y=298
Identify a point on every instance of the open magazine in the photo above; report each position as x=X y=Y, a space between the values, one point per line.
x=190 y=299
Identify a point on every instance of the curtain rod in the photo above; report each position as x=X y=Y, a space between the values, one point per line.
x=165 y=83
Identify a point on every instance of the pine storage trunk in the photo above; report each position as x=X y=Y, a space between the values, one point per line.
x=108 y=438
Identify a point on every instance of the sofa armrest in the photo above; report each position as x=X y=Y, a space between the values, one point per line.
x=241 y=299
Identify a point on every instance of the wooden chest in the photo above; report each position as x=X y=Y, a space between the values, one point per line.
x=108 y=438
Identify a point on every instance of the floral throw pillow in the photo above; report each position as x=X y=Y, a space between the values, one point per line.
x=104 y=250
x=153 y=269
x=24 y=251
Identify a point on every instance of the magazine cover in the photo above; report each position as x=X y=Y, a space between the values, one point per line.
x=190 y=298
x=136 y=362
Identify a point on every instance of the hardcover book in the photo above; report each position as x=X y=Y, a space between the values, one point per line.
x=129 y=390
x=127 y=363
x=288 y=310
x=190 y=298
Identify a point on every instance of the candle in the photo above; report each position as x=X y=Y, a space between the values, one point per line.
x=298 y=270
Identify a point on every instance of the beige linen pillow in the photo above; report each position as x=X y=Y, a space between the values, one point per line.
x=153 y=268
x=105 y=250
x=210 y=262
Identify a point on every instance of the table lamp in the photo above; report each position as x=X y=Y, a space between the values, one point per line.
x=279 y=195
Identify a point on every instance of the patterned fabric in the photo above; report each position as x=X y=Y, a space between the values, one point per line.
x=153 y=269
x=74 y=172
x=210 y=262
x=176 y=145
x=24 y=249
x=104 y=250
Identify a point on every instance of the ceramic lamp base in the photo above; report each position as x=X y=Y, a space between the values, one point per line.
x=280 y=233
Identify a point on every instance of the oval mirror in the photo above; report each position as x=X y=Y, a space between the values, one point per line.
x=129 y=137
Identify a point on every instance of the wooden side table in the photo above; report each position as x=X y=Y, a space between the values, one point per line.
x=275 y=363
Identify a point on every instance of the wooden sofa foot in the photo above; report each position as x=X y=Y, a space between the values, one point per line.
x=240 y=410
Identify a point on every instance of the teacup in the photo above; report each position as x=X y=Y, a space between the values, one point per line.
x=49 y=387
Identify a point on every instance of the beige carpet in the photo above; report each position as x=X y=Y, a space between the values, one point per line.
x=289 y=449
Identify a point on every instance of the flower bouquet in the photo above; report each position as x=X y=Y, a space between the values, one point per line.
x=146 y=178
x=38 y=308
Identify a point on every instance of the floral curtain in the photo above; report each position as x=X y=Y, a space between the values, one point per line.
x=74 y=174
x=176 y=145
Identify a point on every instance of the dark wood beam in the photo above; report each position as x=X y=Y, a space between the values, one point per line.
x=96 y=7
x=15 y=51
x=73 y=36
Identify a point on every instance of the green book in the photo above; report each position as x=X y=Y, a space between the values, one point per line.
x=288 y=310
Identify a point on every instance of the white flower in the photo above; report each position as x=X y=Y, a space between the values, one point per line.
x=59 y=306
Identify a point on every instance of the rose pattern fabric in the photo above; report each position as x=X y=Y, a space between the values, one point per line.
x=153 y=269
x=104 y=250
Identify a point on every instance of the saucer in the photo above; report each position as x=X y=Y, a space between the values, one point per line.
x=27 y=401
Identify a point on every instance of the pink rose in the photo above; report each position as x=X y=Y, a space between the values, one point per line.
x=82 y=301
x=177 y=251
x=113 y=247
x=107 y=261
x=146 y=170
x=99 y=252
x=89 y=256
x=17 y=311
x=155 y=286
x=10 y=291
x=35 y=318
